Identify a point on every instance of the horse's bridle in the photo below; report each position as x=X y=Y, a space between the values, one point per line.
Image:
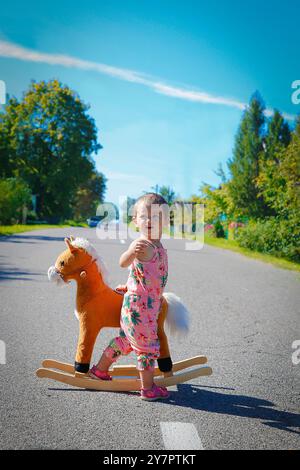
x=83 y=268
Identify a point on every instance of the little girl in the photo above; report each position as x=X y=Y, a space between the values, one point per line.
x=147 y=279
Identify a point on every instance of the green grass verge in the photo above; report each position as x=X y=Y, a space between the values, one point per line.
x=12 y=229
x=233 y=246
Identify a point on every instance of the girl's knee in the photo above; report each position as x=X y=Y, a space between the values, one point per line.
x=112 y=353
x=146 y=362
x=117 y=347
x=124 y=345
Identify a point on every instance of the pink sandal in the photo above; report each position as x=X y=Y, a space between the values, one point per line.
x=95 y=373
x=155 y=393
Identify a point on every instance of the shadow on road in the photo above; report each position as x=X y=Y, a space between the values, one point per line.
x=195 y=397
x=30 y=238
x=14 y=274
x=192 y=396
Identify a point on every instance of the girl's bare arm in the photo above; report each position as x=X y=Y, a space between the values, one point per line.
x=127 y=258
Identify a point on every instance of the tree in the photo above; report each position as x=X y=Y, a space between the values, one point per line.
x=270 y=181
x=7 y=154
x=290 y=170
x=221 y=173
x=50 y=141
x=89 y=196
x=285 y=198
x=244 y=166
x=14 y=195
x=278 y=136
x=280 y=234
x=217 y=202
x=168 y=194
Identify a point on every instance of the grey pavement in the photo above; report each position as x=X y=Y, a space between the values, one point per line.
x=245 y=318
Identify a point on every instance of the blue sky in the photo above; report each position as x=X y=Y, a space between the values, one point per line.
x=168 y=108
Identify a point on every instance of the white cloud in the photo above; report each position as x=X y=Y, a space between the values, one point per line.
x=14 y=51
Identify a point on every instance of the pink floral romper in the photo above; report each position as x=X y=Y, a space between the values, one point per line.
x=140 y=309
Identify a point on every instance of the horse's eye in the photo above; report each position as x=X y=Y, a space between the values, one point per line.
x=62 y=263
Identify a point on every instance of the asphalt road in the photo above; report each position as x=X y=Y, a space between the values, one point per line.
x=245 y=317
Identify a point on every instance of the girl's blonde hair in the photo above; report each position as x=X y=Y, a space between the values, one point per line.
x=147 y=200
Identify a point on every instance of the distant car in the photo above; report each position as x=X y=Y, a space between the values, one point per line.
x=94 y=221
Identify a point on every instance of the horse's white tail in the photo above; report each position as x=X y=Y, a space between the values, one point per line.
x=178 y=317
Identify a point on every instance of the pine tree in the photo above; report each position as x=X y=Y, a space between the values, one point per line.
x=276 y=141
x=289 y=170
x=244 y=166
x=278 y=136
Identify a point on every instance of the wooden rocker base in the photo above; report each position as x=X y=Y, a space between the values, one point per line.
x=65 y=373
x=127 y=370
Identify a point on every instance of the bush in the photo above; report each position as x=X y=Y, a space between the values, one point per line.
x=209 y=231
x=219 y=230
x=273 y=236
x=14 y=195
x=215 y=230
x=233 y=229
x=32 y=217
x=75 y=223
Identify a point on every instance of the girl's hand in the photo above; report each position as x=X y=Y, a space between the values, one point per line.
x=143 y=250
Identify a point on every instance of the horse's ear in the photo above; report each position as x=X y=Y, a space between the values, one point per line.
x=70 y=246
x=72 y=238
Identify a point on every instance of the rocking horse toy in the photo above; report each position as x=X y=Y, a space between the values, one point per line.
x=99 y=306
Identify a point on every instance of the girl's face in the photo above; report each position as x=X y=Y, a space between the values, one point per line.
x=149 y=220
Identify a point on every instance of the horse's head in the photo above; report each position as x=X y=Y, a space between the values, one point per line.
x=73 y=262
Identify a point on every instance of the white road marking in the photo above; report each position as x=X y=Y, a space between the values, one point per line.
x=2 y=352
x=180 y=436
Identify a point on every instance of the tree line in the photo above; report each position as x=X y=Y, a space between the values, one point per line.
x=46 y=142
x=260 y=196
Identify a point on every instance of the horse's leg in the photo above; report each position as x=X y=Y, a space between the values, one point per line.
x=164 y=362
x=87 y=337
